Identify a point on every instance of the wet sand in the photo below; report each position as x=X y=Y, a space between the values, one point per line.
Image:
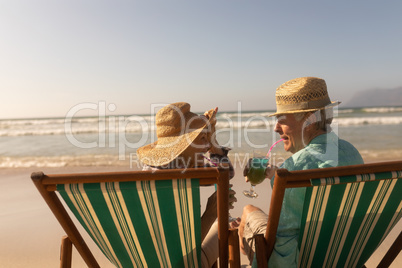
x=30 y=235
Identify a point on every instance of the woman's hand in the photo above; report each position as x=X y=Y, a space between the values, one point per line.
x=232 y=197
x=210 y=208
x=212 y=202
x=235 y=224
x=211 y=135
x=211 y=116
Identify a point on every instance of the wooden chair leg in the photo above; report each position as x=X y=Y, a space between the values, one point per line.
x=392 y=253
x=234 y=249
x=261 y=251
x=66 y=252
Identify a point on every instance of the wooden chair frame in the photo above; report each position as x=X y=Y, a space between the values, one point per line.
x=46 y=185
x=293 y=179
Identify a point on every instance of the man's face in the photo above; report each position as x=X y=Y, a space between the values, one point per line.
x=290 y=131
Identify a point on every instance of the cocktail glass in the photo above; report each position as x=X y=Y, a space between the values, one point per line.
x=256 y=174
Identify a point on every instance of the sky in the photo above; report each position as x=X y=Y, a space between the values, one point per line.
x=56 y=56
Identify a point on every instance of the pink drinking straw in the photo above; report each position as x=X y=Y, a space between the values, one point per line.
x=213 y=163
x=270 y=149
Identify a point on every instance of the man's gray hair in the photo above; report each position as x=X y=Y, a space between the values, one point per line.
x=324 y=118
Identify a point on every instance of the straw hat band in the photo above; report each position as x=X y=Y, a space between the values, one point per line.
x=305 y=105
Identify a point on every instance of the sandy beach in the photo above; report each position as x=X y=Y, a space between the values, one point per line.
x=30 y=235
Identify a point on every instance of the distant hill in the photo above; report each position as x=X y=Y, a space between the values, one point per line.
x=376 y=97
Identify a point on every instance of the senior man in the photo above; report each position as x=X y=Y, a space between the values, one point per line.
x=304 y=115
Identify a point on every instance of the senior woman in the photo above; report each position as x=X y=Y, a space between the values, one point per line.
x=304 y=115
x=183 y=139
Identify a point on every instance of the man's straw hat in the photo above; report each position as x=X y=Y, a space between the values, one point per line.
x=304 y=94
x=176 y=129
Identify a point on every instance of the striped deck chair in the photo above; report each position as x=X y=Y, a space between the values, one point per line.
x=137 y=219
x=348 y=211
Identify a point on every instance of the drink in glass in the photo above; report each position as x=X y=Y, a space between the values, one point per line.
x=256 y=174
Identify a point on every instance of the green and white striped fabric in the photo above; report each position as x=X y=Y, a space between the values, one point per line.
x=141 y=224
x=357 y=178
x=343 y=224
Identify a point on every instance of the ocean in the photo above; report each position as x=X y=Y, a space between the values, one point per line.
x=113 y=140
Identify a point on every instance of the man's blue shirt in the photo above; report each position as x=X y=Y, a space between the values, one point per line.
x=325 y=150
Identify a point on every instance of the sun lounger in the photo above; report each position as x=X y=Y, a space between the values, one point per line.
x=348 y=212
x=139 y=218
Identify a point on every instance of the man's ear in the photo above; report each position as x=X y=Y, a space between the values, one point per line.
x=310 y=119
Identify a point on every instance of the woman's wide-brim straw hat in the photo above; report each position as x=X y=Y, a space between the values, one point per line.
x=304 y=94
x=176 y=129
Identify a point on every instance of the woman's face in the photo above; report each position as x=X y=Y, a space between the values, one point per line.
x=201 y=143
x=193 y=155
